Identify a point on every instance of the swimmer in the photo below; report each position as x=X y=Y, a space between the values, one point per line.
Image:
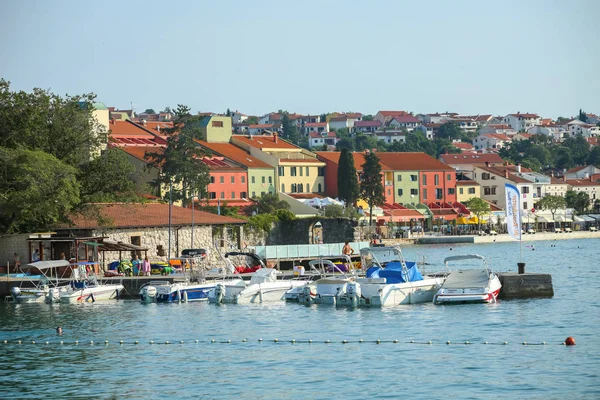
x=58 y=330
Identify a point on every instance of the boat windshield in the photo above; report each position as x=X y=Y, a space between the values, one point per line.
x=380 y=256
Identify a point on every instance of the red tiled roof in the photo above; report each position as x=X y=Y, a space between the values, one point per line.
x=359 y=159
x=392 y=113
x=497 y=136
x=322 y=134
x=354 y=115
x=300 y=160
x=234 y=153
x=462 y=145
x=220 y=163
x=265 y=142
x=582 y=182
x=577 y=169
x=120 y=215
x=518 y=115
x=471 y=158
x=128 y=128
x=261 y=126
x=403 y=119
x=412 y=162
x=316 y=124
x=140 y=152
x=498 y=126
x=512 y=169
x=467 y=183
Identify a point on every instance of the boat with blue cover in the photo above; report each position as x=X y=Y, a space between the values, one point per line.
x=389 y=280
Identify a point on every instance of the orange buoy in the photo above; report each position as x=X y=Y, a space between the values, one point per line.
x=570 y=341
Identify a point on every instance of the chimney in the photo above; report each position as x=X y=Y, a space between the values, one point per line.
x=591 y=178
x=519 y=168
x=506 y=173
x=112 y=121
x=275 y=136
x=487 y=163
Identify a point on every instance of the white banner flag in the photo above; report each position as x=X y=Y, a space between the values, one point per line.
x=513 y=211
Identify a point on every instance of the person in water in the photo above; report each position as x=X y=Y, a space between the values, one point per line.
x=59 y=330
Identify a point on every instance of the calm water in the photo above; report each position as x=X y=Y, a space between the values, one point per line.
x=319 y=370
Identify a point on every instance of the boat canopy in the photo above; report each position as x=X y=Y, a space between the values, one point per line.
x=257 y=260
x=42 y=265
x=467 y=279
x=394 y=273
x=264 y=275
x=464 y=257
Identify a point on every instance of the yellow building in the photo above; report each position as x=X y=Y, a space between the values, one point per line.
x=465 y=190
x=297 y=170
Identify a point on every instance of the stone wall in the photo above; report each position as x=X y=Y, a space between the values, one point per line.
x=302 y=231
x=10 y=244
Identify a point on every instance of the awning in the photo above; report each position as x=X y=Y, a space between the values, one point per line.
x=577 y=218
x=546 y=220
x=586 y=218
x=111 y=245
x=41 y=265
x=560 y=218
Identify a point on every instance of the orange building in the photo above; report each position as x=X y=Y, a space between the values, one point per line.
x=228 y=182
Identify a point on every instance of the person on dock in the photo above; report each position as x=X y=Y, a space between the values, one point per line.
x=146 y=266
x=136 y=263
x=347 y=249
x=17 y=262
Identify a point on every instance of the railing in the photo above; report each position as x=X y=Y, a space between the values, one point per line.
x=305 y=250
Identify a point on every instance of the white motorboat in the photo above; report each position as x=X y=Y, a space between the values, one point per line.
x=264 y=286
x=389 y=281
x=86 y=288
x=477 y=285
x=325 y=289
x=177 y=292
x=44 y=289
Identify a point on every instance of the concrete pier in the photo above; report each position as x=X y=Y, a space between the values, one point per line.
x=525 y=286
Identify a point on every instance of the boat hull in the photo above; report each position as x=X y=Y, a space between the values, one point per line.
x=375 y=294
x=454 y=295
x=182 y=292
x=260 y=292
x=91 y=294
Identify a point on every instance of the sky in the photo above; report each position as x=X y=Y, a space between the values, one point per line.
x=470 y=57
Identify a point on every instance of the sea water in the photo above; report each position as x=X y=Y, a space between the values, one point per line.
x=238 y=365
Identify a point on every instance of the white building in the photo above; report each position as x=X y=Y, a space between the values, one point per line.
x=316 y=139
x=489 y=141
x=522 y=122
x=556 y=132
x=407 y=122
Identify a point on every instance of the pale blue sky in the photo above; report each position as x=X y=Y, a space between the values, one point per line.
x=469 y=57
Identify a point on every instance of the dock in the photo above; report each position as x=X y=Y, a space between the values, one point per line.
x=525 y=286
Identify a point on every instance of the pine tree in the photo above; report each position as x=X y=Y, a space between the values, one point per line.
x=371 y=188
x=348 y=189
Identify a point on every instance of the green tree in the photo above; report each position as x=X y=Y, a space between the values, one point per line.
x=181 y=162
x=110 y=177
x=551 y=203
x=228 y=113
x=371 y=187
x=345 y=143
x=368 y=117
x=44 y=121
x=582 y=116
x=594 y=157
x=336 y=211
x=579 y=201
x=149 y=111
x=268 y=203
x=348 y=189
x=479 y=207
x=449 y=131
x=290 y=130
x=252 y=121
x=37 y=190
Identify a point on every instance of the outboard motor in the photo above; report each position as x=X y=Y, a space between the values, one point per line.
x=15 y=292
x=353 y=293
x=148 y=294
x=52 y=296
x=219 y=293
x=306 y=297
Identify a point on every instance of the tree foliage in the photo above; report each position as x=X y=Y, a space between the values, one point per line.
x=109 y=177
x=577 y=200
x=180 y=163
x=290 y=130
x=551 y=203
x=268 y=203
x=336 y=211
x=149 y=111
x=479 y=207
x=348 y=189
x=371 y=186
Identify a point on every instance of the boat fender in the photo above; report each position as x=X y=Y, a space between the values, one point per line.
x=185 y=297
x=15 y=291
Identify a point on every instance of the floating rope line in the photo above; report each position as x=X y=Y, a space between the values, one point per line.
x=262 y=341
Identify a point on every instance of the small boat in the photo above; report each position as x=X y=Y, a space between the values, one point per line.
x=325 y=289
x=264 y=286
x=86 y=288
x=196 y=287
x=45 y=289
x=478 y=285
x=390 y=280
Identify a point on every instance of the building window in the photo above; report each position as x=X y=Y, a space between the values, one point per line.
x=283 y=188
x=494 y=190
x=281 y=171
x=485 y=176
x=424 y=180
x=222 y=195
x=424 y=194
x=414 y=192
x=399 y=178
x=217 y=124
x=400 y=192
x=389 y=192
x=233 y=179
x=525 y=205
x=320 y=189
x=451 y=191
x=233 y=195
x=270 y=179
x=243 y=179
x=321 y=173
x=212 y=195
x=222 y=179
x=263 y=179
x=253 y=195
x=244 y=195
x=307 y=188
x=292 y=171
x=487 y=191
x=439 y=194
x=301 y=170
x=449 y=177
x=262 y=193
x=436 y=179
x=471 y=190
x=460 y=190
x=525 y=189
x=253 y=179
x=300 y=188
x=294 y=188
x=212 y=179
x=307 y=171
x=414 y=178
